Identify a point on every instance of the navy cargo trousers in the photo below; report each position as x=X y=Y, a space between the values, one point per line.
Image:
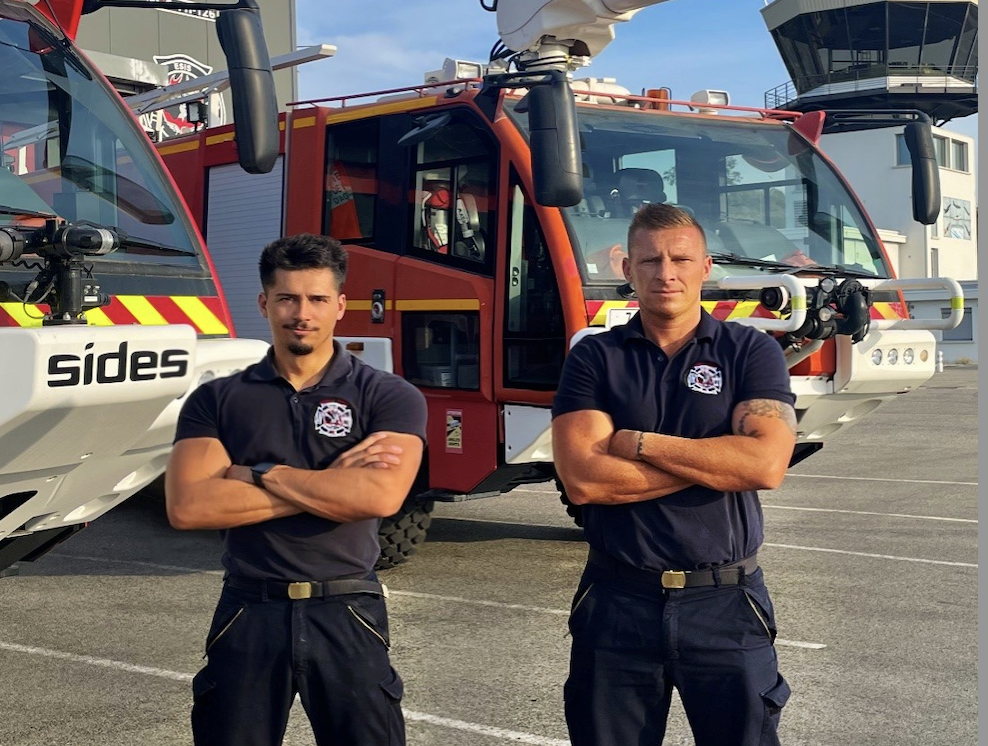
x=633 y=642
x=332 y=652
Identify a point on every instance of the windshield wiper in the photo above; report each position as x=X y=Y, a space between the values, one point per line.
x=721 y=257
x=151 y=247
x=11 y=210
x=839 y=270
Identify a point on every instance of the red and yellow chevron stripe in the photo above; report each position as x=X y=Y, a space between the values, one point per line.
x=729 y=310
x=205 y=315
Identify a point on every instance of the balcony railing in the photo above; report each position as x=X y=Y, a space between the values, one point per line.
x=781 y=95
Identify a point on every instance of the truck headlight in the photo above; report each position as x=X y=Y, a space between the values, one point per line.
x=893 y=356
x=876 y=356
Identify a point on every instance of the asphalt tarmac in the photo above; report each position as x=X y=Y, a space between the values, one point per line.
x=871 y=557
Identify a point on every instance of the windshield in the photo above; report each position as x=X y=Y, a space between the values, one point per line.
x=70 y=148
x=765 y=199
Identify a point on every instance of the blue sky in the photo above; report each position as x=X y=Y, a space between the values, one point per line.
x=685 y=45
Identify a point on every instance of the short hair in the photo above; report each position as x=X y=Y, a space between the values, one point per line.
x=657 y=216
x=303 y=251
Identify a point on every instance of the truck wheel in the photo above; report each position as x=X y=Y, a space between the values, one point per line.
x=573 y=511
x=401 y=534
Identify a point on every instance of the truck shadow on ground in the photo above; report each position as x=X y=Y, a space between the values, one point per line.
x=451 y=529
x=135 y=538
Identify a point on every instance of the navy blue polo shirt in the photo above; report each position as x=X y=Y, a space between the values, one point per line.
x=693 y=395
x=258 y=416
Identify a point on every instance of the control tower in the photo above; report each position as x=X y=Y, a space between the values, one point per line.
x=874 y=54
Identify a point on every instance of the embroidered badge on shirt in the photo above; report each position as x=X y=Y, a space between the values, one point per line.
x=334 y=418
x=705 y=378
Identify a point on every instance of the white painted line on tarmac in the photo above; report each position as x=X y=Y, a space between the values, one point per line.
x=870 y=512
x=797 y=644
x=527 y=524
x=138 y=563
x=486 y=730
x=766 y=544
x=875 y=556
x=477 y=602
x=91 y=661
x=557 y=612
x=408 y=594
x=422 y=717
x=881 y=479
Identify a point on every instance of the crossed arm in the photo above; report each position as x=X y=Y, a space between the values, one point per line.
x=600 y=466
x=204 y=489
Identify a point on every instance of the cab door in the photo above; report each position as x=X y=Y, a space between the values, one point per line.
x=444 y=296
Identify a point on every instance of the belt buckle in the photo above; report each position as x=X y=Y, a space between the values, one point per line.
x=674 y=579
x=299 y=591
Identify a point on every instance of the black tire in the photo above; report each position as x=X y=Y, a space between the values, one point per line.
x=573 y=511
x=401 y=534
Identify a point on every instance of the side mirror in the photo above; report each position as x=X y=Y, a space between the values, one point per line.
x=926 y=172
x=557 y=167
x=255 y=106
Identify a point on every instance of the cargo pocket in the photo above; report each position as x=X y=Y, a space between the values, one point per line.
x=394 y=689
x=202 y=685
x=204 y=707
x=774 y=699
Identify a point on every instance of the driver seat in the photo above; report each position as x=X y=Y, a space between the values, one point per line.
x=635 y=187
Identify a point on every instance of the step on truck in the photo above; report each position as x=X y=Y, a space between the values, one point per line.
x=110 y=312
x=485 y=213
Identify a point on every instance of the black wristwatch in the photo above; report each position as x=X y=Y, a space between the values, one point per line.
x=257 y=472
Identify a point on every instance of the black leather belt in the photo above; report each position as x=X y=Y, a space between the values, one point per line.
x=280 y=589
x=732 y=573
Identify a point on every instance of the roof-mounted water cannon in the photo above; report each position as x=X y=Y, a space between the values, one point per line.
x=546 y=40
x=560 y=34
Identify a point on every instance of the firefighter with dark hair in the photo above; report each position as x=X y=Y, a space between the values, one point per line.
x=295 y=460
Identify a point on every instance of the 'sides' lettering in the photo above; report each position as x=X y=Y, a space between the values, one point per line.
x=116 y=366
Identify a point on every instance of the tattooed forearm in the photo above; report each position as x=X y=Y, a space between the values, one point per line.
x=762 y=408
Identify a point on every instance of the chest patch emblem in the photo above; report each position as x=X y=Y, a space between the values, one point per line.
x=334 y=419
x=705 y=378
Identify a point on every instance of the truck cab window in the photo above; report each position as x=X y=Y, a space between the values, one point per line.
x=452 y=190
x=534 y=330
x=351 y=181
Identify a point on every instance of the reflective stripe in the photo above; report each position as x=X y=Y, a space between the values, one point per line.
x=132 y=309
x=96 y=317
x=365 y=305
x=142 y=309
x=178 y=148
x=216 y=139
x=439 y=304
x=24 y=315
x=201 y=316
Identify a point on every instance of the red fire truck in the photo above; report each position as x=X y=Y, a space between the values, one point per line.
x=109 y=310
x=485 y=217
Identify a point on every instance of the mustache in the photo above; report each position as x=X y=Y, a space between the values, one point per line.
x=299 y=325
